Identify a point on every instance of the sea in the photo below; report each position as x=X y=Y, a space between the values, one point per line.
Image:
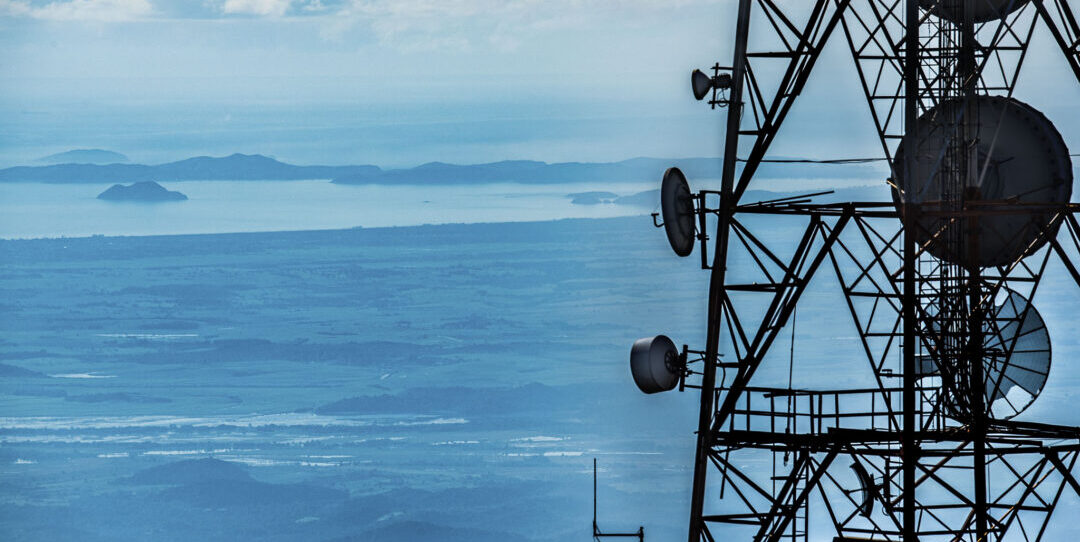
x=300 y=360
x=37 y=210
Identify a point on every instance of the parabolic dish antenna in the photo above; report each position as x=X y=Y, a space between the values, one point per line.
x=1016 y=360
x=654 y=364
x=866 y=492
x=985 y=10
x=1022 y=163
x=677 y=207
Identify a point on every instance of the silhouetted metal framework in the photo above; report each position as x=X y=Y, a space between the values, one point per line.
x=923 y=446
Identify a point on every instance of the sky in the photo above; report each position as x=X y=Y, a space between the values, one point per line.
x=399 y=83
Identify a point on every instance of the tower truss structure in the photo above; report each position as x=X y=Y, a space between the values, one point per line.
x=934 y=447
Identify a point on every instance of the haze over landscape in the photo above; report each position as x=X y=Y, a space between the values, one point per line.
x=414 y=247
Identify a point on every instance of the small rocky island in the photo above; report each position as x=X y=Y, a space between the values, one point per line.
x=145 y=191
x=648 y=198
x=592 y=198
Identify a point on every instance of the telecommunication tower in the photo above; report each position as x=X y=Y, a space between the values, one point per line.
x=938 y=282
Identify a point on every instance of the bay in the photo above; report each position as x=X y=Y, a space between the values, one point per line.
x=33 y=210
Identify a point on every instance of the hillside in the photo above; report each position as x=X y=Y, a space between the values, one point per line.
x=257 y=167
x=144 y=191
x=242 y=167
x=84 y=156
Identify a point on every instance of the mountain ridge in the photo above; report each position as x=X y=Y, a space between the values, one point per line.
x=235 y=167
x=142 y=191
x=84 y=156
x=242 y=167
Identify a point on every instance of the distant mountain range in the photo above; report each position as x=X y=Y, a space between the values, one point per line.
x=84 y=156
x=632 y=170
x=237 y=167
x=262 y=168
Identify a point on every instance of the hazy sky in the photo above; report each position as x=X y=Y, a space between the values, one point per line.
x=397 y=82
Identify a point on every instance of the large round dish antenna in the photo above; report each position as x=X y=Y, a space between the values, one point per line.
x=1017 y=361
x=677 y=207
x=984 y=10
x=1022 y=163
x=1015 y=364
x=654 y=364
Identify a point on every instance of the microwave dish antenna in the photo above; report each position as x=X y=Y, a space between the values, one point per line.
x=866 y=492
x=1015 y=362
x=655 y=364
x=677 y=208
x=1022 y=161
x=1020 y=366
x=984 y=10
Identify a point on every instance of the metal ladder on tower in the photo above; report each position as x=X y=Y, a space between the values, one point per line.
x=791 y=486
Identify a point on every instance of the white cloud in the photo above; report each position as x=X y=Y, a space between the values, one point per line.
x=402 y=25
x=399 y=22
x=503 y=24
x=266 y=8
x=79 y=10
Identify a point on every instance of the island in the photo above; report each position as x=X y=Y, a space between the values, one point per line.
x=592 y=198
x=145 y=191
x=84 y=156
x=648 y=198
x=256 y=167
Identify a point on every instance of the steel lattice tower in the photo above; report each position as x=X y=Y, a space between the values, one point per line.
x=936 y=282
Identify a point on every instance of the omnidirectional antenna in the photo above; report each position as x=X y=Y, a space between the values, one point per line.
x=596 y=533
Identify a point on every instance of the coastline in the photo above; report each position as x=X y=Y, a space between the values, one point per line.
x=327 y=233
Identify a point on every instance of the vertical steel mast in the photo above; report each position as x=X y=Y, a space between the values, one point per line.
x=718 y=273
x=909 y=446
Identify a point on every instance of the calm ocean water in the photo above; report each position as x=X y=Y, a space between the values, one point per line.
x=32 y=210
